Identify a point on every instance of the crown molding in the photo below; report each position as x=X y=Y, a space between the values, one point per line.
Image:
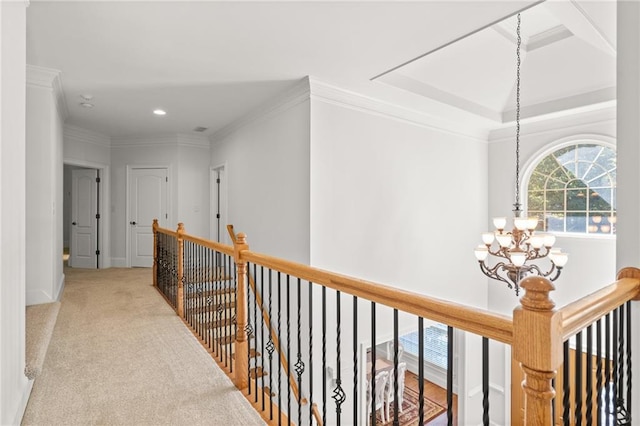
x=50 y=79
x=292 y=97
x=575 y=121
x=325 y=92
x=193 y=141
x=87 y=136
x=147 y=141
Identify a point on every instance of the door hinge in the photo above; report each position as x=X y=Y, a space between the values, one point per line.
x=97 y=180
x=218 y=180
x=97 y=215
x=218 y=216
x=166 y=179
x=166 y=215
x=97 y=252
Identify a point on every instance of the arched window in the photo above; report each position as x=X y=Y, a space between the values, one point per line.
x=573 y=189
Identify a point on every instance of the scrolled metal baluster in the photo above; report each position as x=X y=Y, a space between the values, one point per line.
x=311 y=352
x=279 y=340
x=599 y=372
x=270 y=349
x=450 y=375
x=485 y=381
x=288 y=346
x=299 y=365
x=324 y=355
x=578 y=379
x=421 y=370
x=339 y=395
x=355 y=360
x=589 y=377
x=607 y=368
x=629 y=359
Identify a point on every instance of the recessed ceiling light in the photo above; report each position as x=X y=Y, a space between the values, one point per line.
x=159 y=112
x=86 y=105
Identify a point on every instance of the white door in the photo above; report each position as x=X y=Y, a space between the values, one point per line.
x=84 y=207
x=147 y=201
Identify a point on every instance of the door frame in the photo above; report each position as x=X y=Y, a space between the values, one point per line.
x=131 y=167
x=104 y=233
x=213 y=202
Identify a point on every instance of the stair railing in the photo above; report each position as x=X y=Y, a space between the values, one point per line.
x=540 y=336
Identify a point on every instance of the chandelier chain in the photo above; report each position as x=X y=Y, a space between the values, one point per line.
x=517 y=204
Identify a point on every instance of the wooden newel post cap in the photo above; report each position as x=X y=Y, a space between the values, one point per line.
x=536 y=297
x=181 y=227
x=155 y=223
x=242 y=238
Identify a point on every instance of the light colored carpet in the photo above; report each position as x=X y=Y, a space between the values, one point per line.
x=119 y=355
x=40 y=320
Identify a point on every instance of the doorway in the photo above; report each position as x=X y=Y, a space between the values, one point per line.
x=81 y=217
x=147 y=199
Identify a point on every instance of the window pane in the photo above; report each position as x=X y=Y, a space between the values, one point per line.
x=547 y=165
x=601 y=181
x=555 y=184
x=535 y=200
x=576 y=222
x=576 y=183
x=555 y=200
x=537 y=181
x=561 y=174
x=589 y=152
x=554 y=222
x=597 y=202
x=583 y=168
x=607 y=159
x=577 y=199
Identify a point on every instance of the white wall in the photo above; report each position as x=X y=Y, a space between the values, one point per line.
x=193 y=184
x=399 y=203
x=44 y=276
x=187 y=158
x=267 y=169
x=577 y=279
x=14 y=386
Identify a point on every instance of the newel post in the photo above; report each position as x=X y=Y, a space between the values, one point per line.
x=242 y=345
x=180 y=301
x=537 y=345
x=155 y=252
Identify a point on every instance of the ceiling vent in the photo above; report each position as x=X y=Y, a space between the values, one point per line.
x=200 y=129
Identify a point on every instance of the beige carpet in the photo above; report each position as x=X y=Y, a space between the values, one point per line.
x=40 y=321
x=120 y=356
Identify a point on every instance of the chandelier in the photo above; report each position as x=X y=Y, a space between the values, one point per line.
x=516 y=251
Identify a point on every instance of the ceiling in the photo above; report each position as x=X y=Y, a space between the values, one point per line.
x=568 y=61
x=209 y=63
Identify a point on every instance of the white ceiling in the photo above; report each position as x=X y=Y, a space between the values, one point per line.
x=568 y=61
x=209 y=63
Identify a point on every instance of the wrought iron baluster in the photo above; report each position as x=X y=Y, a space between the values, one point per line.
x=338 y=393
x=589 y=377
x=310 y=352
x=395 y=367
x=248 y=326
x=372 y=380
x=485 y=381
x=299 y=365
x=288 y=347
x=629 y=358
x=566 y=386
x=599 y=372
x=324 y=355
x=270 y=347
x=614 y=358
x=356 y=382
x=280 y=342
x=607 y=368
x=255 y=326
x=262 y=332
x=420 y=370
x=578 y=379
x=449 y=375
x=233 y=303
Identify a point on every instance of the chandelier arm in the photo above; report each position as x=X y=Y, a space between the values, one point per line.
x=493 y=272
x=498 y=253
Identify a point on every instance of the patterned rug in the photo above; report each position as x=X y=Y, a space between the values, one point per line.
x=409 y=414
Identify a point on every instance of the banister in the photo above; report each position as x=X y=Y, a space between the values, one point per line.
x=478 y=321
x=577 y=315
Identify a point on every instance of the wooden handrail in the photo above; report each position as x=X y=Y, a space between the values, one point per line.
x=222 y=248
x=474 y=320
x=585 y=311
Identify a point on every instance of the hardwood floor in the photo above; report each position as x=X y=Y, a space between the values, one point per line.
x=436 y=394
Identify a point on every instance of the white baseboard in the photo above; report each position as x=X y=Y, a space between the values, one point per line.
x=26 y=393
x=118 y=262
x=37 y=297
x=60 y=288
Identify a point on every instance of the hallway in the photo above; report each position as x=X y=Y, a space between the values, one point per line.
x=119 y=355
